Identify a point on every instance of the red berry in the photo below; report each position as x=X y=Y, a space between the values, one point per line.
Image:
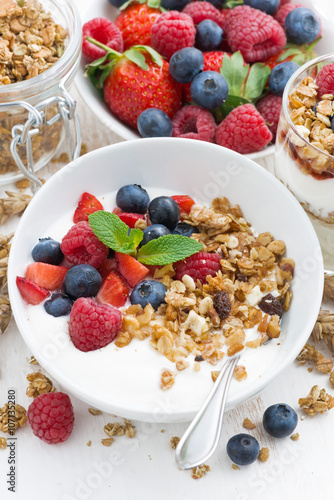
x=30 y=292
x=46 y=275
x=171 y=32
x=135 y=23
x=269 y=108
x=131 y=269
x=193 y=122
x=325 y=80
x=87 y=205
x=198 y=266
x=243 y=130
x=199 y=11
x=104 y=31
x=185 y=203
x=128 y=218
x=284 y=10
x=51 y=417
x=107 y=266
x=113 y=290
x=92 y=325
x=81 y=246
x=257 y=35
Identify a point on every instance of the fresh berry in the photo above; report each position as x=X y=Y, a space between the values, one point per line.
x=103 y=31
x=81 y=246
x=198 y=266
x=131 y=269
x=93 y=325
x=209 y=89
x=280 y=75
x=48 y=251
x=256 y=34
x=135 y=23
x=271 y=305
x=222 y=304
x=325 y=80
x=107 y=266
x=199 y=11
x=130 y=219
x=302 y=26
x=46 y=275
x=280 y=420
x=153 y=122
x=113 y=290
x=30 y=292
x=208 y=35
x=284 y=10
x=243 y=449
x=174 y=4
x=184 y=229
x=243 y=130
x=193 y=122
x=58 y=305
x=148 y=292
x=153 y=232
x=82 y=281
x=171 y=32
x=132 y=198
x=87 y=205
x=185 y=64
x=51 y=417
x=116 y=3
x=164 y=210
x=184 y=201
x=217 y=3
x=269 y=108
x=267 y=6
x=212 y=62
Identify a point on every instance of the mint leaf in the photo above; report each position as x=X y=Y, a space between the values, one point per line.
x=256 y=81
x=135 y=237
x=234 y=72
x=168 y=249
x=110 y=230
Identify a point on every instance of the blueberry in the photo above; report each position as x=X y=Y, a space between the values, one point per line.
x=268 y=6
x=209 y=89
x=116 y=3
x=164 y=210
x=82 y=281
x=133 y=198
x=243 y=449
x=148 y=292
x=184 y=229
x=153 y=232
x=280 y=75
x=302 y=26
x=185 y=64
x=217 y=3
x=174 y=4
x=208 y=35
x=48 y=251
x=58 y=305
x=280 y=420
x=154 y=122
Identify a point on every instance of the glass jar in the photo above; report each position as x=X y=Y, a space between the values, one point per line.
x=37 y=114
x=305 y=169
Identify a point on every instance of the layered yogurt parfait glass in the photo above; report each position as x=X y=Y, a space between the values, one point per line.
x=304 y=156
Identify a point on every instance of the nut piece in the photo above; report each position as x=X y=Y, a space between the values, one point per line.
x=38 y=384
x=11 y=417
x=107 y=441
x=248 y=424
x=198 y=472
x=3 y=443
x=295 y=436
x=167 y=379
x=93 y=411
x=174 y=441
x=318 y=401
x=264 y=454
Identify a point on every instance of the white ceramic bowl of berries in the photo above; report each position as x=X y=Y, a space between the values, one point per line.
x=167 y=257
x=212 y=81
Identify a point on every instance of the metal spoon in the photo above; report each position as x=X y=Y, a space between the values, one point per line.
x=202 y=436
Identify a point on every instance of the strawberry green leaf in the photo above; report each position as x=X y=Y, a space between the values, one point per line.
x=111 y=231
x=136 y=57
x=287 y=53
x=230 y=4
x=256 y=81
x=154 y=4
x=232 y=101
x=168 y=249
x=126 y=4
x=156 y=57
x=235 y=72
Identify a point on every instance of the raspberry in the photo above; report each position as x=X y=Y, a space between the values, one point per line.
x=269 y=108
x=198 y=266
x=243 y=130
x=257 y=35
x=171 y=32
x=283 y=2
x=271 y=305
x=51 y=417
x=93 y=325
x=193 y=122
x=103 y=31
x=199 y=11
x=325 y=80
x=81 y=246
x=222 y=304
x=284 y=10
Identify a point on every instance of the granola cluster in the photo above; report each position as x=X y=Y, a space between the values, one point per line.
x=318 y=401
x=12 y=417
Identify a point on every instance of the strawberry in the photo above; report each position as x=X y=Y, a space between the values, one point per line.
x=131 y=87
x=135 y=23
x=46 y=275
x=30 y=292
x=113 y=290
x=128 y=218
x=185 y=203
x=86 y=206
x=132 y=270
x=107 y=266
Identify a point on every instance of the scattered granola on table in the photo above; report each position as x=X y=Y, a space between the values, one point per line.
x=12 y=417
x=200 y=471
x=3 y=443
x=311 y=354
x=324 y=329
x=264 y=454
x=318 y=401
x=39 y=384
x=248 y=424
x=295 y=436
x=174 y=441
x=93 y=411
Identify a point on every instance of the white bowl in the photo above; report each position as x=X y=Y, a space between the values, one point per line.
x=126 y=381
x=93 y=99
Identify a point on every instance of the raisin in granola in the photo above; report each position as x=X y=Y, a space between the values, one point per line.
x=271 y=305
x=222 y=304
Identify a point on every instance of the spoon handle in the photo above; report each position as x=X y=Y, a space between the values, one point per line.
x=202 y=436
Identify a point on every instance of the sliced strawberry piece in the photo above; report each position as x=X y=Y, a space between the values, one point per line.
x=185 y=202
x=107 y=266
x=128 y=218
x=113 y=290
x=46 y=275
x=132 y=270
x=87 y=205
x=30 y=292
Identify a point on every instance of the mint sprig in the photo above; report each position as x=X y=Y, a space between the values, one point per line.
x=117 y=235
